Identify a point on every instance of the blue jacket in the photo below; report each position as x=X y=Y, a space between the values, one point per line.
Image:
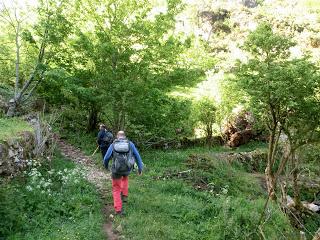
x=135 y=152
x=101 y=135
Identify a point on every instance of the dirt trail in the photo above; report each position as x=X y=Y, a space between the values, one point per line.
x=96 y=176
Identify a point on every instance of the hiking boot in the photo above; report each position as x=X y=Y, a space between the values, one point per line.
x=120 y=213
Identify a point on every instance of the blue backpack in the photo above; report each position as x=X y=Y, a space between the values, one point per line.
x=123 y=159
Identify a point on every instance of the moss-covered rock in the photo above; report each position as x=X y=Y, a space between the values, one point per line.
x=15 y=151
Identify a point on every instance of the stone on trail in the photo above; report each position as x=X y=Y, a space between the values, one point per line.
x=119 y=228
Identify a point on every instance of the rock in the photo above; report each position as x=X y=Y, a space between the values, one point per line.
x=290 y=202
x=254 y=161
x=250 y=3
x=3 y=105
x=16 y=160
x=312 y=207
x=240 y=138
x=315 y=42
x=119 y=228
x=13 y=153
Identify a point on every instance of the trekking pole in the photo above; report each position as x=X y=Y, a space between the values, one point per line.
x=95 y=151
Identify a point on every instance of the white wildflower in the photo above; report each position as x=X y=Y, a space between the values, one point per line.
x=224 y=191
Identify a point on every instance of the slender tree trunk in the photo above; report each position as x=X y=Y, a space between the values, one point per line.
x=18 y=100
x=121 y=120
x=92 y=119
x=14 y=101
x=284 y=199
x=296 y=189
x=270 y=178
x=209 y=134
x=16 y=87
x=271 y=183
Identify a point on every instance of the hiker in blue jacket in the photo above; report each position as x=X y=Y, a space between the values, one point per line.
x=104 y=139
x=124 y=154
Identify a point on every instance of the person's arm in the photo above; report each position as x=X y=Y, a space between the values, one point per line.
x=137 y=157
x=107 y=156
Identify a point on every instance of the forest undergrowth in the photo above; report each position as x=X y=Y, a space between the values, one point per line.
x=50 y=201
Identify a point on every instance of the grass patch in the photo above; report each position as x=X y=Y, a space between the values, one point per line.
x=50 y=202
x=163 y=207
x=11 y=127
x=174 y=209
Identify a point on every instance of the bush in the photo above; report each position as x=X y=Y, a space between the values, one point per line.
x=46 y=197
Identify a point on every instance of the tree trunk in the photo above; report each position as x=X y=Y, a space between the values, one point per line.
x=12 y=108
x=295 y=186
x=18 y=100
x=121 y=120
x=92 y=119
x=271 y=183
x=270 y=178
x=13 y=102
x=209 y=134
x=284 y=199
x=16 y=87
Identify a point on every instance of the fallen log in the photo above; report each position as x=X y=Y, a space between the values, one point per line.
x=182 y=174
x=313 y=207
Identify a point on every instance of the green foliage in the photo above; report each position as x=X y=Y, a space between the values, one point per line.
x=267 y=46
x=121 y=67
x=279 y=89
x=221 y=177
x=10 y=128
x=205 y=113
x=310 y=158
x=50 y=202
x=159 y=115
x=312 y=223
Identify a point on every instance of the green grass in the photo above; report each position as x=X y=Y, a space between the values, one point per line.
x=11 y=127
x=173 y=209
x=161 y=207
x=69 y=208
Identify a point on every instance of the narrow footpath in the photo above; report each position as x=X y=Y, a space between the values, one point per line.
x=96 y=176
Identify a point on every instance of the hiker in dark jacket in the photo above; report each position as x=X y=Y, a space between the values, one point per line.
x=124 y=154
x=104 y=139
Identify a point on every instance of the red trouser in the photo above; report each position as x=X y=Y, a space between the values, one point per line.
x=119 y=185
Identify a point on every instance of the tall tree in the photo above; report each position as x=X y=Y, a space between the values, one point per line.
x=33 y=37
x=120 y=54
x=281 y=91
